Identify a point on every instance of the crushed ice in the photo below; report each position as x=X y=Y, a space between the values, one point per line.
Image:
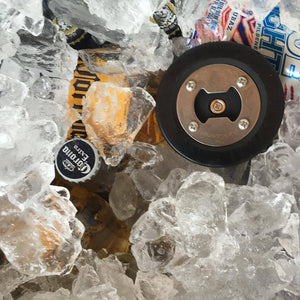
x=195 y=235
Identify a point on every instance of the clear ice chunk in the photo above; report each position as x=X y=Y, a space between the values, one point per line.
x=127 y=17
x=289 y=131
x=12 y=92
x=48 y=52
x=137 y=185
x=294 y=286
x=144 y=154
x=200 y=200
x=154 y=286
x=16 y=15
x=218 y=242
x=101 y=278
x=172 y=160
x=10 y=279
x=93 y=278
x=49 y=110
x=289 y=238
x=32 y=8
x=278 y=169
x=103 y=61
x=12 y=69
x=77 y=13
x=123 y=197
x=8 y=44
x=172 y=183
x=151 y=53
x=21 y=156
x=146 y=183
x=248 y=217
x=174 y=228
x=149 y=50
x=60 y=294
x=113 y=116
x=11 y=20
x=155 y=253
x=39 y=232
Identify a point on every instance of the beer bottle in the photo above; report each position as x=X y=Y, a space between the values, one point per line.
x=77 y=38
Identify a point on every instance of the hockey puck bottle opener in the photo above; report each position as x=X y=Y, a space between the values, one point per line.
x=77 y=160
x=220 y=104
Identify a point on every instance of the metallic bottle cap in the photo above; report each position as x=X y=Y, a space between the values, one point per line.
x=77 y=160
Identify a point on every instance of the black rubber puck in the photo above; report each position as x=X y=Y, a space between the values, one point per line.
x=262 y=102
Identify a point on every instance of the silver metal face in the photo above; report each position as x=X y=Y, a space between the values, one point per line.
x=218 y=131
x=193 y=126
x=244 y=124
x=190 y=85
x=241 y=82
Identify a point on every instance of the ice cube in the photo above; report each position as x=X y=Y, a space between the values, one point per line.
x=123 y=197
x=113 y=116
x=155 y=286
x=278 y=169
x=48 y=52
x=12 y=92
x=39 y=232
x=145 y=154
x=146 y=183
x=289 y=131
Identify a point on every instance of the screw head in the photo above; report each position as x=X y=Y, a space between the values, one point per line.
x=241 y=82
x=193 y=126
x=190 y=85
x=244 y=124
x=217 y=106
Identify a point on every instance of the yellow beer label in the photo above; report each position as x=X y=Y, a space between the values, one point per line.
x=107 y=118
x=80 y=84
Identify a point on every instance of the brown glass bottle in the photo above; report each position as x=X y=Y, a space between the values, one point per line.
x=103 y=229
x=150 y=132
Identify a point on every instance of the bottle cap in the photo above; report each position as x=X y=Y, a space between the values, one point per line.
x=77 y=160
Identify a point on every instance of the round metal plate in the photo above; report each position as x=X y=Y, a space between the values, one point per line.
x=218 y=78
x=245 y=140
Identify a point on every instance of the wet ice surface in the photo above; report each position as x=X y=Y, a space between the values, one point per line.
x=289 y=131
x=277 y=168
x=206 y=240
x=195 y=234
x=94 y=278
x=129 y=21
x=39 y=232
x=113 y=116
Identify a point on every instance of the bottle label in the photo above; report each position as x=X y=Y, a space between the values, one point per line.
x=77 y=160
x=277 y=43
x=80 y=84
x=281 y=47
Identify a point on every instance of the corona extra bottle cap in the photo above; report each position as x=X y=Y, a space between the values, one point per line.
x=77 y=160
